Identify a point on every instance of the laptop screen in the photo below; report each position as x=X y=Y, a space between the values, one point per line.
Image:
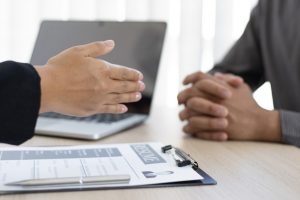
x=138 y=45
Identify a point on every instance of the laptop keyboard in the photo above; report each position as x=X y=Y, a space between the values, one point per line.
x=100 y=118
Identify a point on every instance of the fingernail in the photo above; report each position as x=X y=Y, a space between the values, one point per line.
x=124 y=109
x=180 y=117
x=220 y=111
x=221 y=123
x=138 y=96
x=218 y=74
x=240 y=79
x=224 y=137
x=185 y=129
x=181 y=99
x=141 y=76
x=141 y=86
x=226 y=93
x=109 y=43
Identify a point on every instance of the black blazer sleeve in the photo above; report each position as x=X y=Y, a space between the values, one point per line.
x=19 y=101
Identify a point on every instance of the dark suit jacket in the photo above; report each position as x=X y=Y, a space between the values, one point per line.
x=269 y=50
x=19 y=101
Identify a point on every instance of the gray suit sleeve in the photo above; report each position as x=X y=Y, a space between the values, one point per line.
x=244 y=58
x=290 y=127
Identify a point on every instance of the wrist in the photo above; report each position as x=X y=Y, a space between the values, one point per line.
x=45 y=85
x=268 y=124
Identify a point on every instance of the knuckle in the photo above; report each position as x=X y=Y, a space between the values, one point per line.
x=193 y=121
x=98 y=45
x=133 y=97
x=218 y=123
x=132 y=87
x=132 y=74
x=124 y=75
x=230 y=76
x=136 y=86
x=96 y=89
x=183 y=94
x=197 y=103
x=137 y=75
x=218 y=88
x=117 y=98
x=108 y=109
x=211 y=124
x=106 y=67
x=211 y=108
x=192 y=102
x=181 y=115
x=76 y=49
x=208 y=83
x=102 y=86
x=124 y=86
x=199 y=74
x=111 y=109
x=118 y=109
x=130 y=97
x=180 y=96
x=199 y=84
x=202 y=84
x=103 y=109
x=187 y=129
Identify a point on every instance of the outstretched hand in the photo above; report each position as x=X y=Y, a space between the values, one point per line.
x=75 y=82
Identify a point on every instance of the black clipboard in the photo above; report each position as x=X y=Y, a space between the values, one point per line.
x=182 y=159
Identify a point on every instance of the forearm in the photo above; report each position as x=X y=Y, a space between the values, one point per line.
x=19 y=102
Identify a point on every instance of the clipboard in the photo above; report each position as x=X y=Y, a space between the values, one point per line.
x=182 y=160
x=207 y=179
x=185 y=160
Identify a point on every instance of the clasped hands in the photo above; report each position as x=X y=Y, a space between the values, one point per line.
x=221 y=107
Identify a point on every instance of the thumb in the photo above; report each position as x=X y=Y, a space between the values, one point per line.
x=98 y=48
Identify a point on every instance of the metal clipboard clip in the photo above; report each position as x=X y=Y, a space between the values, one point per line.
x=181 y=158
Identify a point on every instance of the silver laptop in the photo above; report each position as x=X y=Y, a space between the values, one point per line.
x=138 y=45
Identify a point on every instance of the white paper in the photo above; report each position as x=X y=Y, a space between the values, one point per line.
x=144 y=162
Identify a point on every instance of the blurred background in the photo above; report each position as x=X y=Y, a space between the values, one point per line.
x=199 y=33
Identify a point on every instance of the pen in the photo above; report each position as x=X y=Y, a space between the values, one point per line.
x=105 y=180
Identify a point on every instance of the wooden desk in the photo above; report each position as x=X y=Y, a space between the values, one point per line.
x=243 y=170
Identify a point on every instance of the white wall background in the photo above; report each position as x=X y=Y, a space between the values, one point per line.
x=199 y=31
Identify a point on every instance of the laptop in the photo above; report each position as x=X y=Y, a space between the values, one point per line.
x=138 y=45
